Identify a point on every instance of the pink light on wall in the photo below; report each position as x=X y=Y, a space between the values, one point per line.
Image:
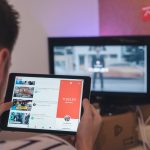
x=123 y=18
x=67 y=17
x=146 y=13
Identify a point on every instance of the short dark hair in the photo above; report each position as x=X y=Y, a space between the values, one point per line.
x=9 y=25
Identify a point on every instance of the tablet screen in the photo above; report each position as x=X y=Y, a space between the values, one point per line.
x=46 y=103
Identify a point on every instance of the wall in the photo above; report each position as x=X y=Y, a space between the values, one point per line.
x=123 y=17
x=40 y=19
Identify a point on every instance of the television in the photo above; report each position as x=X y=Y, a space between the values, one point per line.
x=118 y=66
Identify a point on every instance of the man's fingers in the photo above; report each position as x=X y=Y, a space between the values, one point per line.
x=96 y=115
x=1 y=101
x=86 y=106
x=5 y=106
x=95 y=112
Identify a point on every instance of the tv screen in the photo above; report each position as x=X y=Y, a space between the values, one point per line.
x=118 y=66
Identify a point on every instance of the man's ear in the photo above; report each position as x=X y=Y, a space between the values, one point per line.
x=4 y=62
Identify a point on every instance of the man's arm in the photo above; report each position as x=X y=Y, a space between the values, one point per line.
x=88 y=128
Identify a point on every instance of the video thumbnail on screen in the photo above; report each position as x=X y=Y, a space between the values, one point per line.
x=22 y=82
x=22 y=105
x=19 y=118
x=24 y=92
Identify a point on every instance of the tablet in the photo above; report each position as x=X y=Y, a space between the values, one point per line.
x=45 y=103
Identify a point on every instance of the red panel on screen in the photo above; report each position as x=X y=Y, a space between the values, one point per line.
x=69 y=99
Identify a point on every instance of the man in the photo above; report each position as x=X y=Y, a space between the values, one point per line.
x=90 y=123
x=98 y=63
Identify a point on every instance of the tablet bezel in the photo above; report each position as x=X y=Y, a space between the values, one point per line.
x=9 y=92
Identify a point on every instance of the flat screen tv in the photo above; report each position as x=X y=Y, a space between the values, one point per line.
x=118 y=65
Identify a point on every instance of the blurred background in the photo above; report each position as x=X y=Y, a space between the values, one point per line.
x=54 y=18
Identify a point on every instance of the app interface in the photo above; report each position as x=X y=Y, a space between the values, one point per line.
x=46 y=103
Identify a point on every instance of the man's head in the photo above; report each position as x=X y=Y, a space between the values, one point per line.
x=9 y=28
x=8 y=25
x=97 y=50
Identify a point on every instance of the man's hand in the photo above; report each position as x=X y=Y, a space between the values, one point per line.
x=4 y=106
x=88 y=128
